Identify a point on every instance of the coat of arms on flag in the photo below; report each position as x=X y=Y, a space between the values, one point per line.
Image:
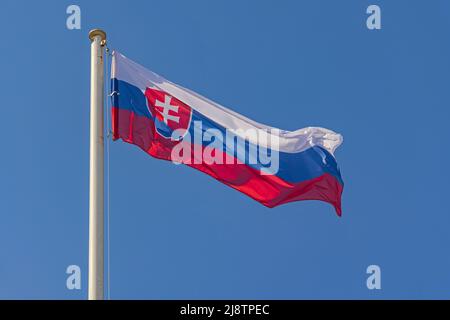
x=169 y=113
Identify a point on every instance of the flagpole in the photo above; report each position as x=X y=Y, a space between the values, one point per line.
x=96 y=169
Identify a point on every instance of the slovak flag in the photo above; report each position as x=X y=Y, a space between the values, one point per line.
x=270 y=165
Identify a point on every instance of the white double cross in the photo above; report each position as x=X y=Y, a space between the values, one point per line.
x=166 y=108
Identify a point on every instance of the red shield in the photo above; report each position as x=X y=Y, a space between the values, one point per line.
x=169 y=113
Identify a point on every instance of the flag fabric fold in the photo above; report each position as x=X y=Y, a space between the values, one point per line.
x=173 y=123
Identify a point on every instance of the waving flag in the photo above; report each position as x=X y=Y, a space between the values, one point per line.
x=173 y=123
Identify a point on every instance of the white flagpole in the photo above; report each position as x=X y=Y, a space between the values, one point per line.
x=96 y=175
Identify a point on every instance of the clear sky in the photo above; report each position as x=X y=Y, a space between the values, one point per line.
x=177 y=233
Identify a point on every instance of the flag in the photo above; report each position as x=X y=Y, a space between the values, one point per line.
x=173 y=123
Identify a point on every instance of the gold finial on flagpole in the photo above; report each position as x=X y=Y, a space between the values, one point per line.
x=98 y=32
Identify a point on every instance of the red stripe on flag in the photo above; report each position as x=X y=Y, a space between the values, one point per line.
x=269 y=190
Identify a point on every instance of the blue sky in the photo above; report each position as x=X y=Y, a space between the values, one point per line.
x=177 y=233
